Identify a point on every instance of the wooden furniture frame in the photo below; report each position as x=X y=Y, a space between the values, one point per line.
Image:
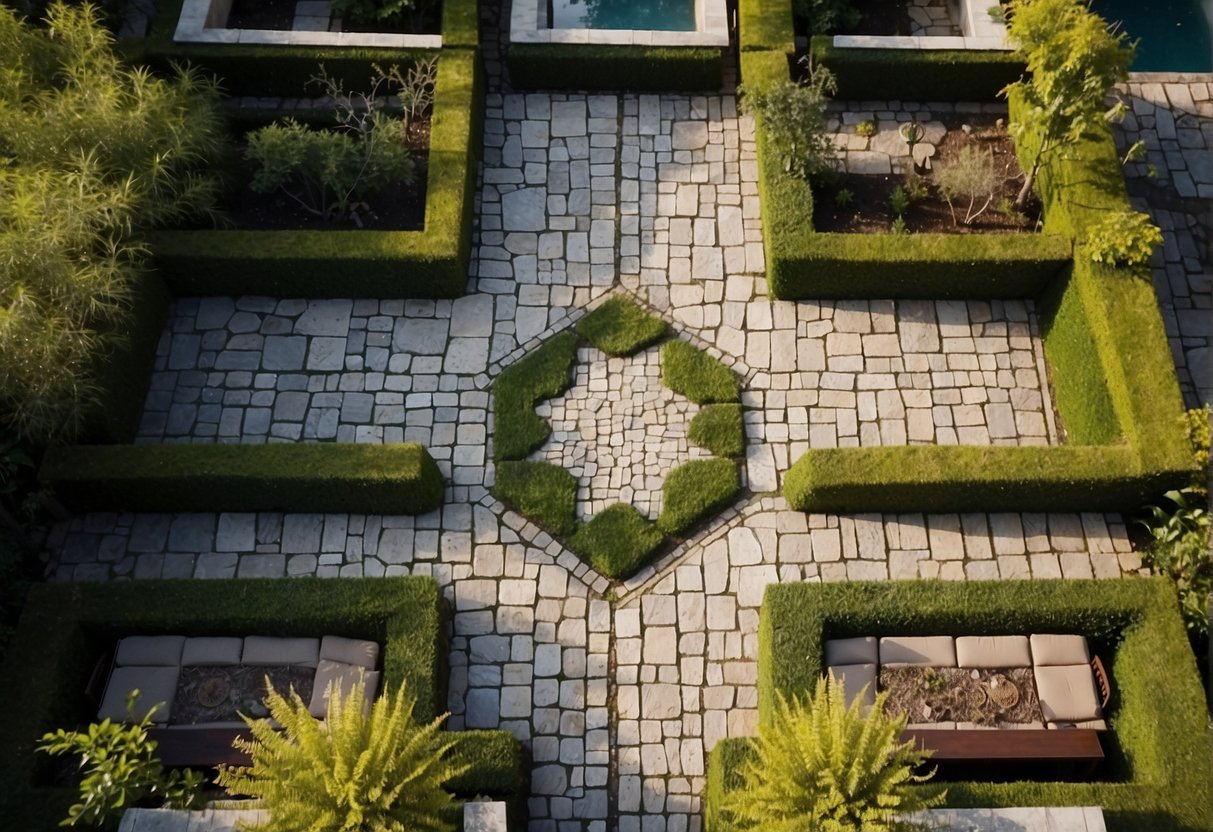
x=199 y=747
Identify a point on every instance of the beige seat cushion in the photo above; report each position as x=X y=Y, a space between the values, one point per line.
x=340 y=676
x=263 y=651
x=350 y=651
x=1048 y=650
x=853 y=678
x=1067 y=693
x=211 y=651
x=993 y=651
x=920 y=651
x=155 y=685
x=1090 y=724
x=860 y=650
x=149 y=651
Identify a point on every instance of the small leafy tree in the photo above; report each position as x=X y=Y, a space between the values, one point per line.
x=120 y=769
x=827 y=766
x=1123 y=238
x=354 y=772
x=793 y=117
x=969 y=179
x=330 y=173
x=1074 y=58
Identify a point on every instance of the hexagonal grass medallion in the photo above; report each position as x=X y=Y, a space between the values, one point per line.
x=619 y=538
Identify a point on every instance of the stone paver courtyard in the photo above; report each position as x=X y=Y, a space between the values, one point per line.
x=619 y=691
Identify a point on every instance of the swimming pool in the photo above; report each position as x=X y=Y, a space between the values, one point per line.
x=655 y=15
x=1173 y=35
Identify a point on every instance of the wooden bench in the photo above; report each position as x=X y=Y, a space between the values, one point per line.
x=199 y=747
x=1075 y=746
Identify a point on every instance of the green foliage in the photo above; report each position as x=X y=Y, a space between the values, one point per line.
x=1125 y=238
x=1181 y=552
x=793 y=118
x=1074 y=59
x=96 y=154
x=696 y=375
x=719 y=428
x=899 y=201
x=428 y=263
x=543 y=492
x=695 y=491
x=120 y=770
x=969 y=179
x=542 y=374
x=560 y=66
x=380 y=772
x=621 y=327
x=821 y=764
x=617 y=541
x=331 y=173
x=824 y=17
x=320 y=477
x=1158 y=716
x=391 y=12
x=843 y=197
x=866 y=128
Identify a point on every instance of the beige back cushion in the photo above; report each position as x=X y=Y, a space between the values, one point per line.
x=920 y=651
x=993 y=651
x=1052 y=649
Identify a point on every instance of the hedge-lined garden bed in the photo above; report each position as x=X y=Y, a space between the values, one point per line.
x=536 y=66
x=432 y=262
x=1157 y=769
x=317 y=477
x=619 y=540
x=65 y=629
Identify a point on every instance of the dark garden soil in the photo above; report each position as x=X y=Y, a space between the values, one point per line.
x=881 y=17
x=223 y=694
x=953 y=694
x=261 y=14
x=428 y=23
x=399 y=207
x=867 y=210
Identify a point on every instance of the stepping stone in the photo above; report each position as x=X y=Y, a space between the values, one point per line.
x=690 y=135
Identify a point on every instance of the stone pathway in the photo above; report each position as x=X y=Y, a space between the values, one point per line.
x=618 y=700
x=1174 y=184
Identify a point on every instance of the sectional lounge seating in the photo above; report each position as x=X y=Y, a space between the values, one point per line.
x=153 y=664
x=1072 y=686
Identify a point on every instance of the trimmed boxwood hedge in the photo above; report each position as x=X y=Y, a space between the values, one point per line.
x=917 y=74
x=1158 y=748
x=765 y=25
x=557 y=66
x=307 y=476
x=432 y=262
x=267 y=70
x=66 y=628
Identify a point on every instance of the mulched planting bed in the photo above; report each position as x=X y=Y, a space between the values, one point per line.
x=280 y=15
x=868 y=210
x=224 y=694
x=399 y=207
x=953 y=694
x=881 y=18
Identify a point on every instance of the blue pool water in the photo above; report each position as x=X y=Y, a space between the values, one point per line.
x=663 y=15
x=1172 y=35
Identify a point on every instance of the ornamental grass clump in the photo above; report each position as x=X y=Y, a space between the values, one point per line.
x=357 y=771
x=830 y=767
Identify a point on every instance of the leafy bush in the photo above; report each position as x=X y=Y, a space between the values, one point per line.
x=392 y=12
x=330 y=173
x=827 y=16
x=544 y=492
x=617 y=541
x=380 y=772
x=720 y=429
x=1124 y=238
x=969 y=177
x=696 y=375
x=95 y=154
x=620 y=327
x=696 y=490
x=120 y=770
x=824 y=764
x=793 y=117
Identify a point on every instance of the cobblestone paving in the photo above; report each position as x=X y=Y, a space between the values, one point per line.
x=618 y=700
x=619 y=431
x=1174 y=184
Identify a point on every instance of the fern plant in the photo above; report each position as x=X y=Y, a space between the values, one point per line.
x=824 y=766
x=354 y=772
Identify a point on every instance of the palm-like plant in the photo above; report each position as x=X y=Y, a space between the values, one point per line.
x=825 y=766
x=354 y=772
